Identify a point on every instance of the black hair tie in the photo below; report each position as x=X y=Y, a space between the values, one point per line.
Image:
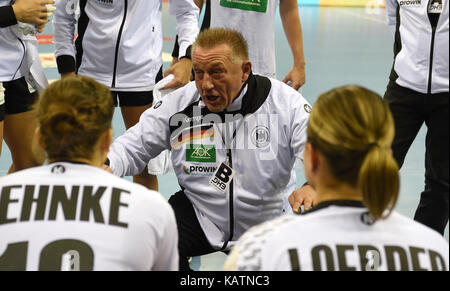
x=370 y=146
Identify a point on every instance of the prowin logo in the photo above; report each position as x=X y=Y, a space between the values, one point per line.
x=411 y=3
x=199 y=170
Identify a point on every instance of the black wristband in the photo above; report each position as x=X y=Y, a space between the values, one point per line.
x=66 y=64
x=7 y=16
x=188 y=54
x=176 y=48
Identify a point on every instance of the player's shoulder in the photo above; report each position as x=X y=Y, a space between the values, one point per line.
x=143 y=201
x=416 y=229
x=282 y=226
x=177 y=100
x=255 y=241
x=283 y=94
x=141 y=194
x=21 y=175
x=261 y=233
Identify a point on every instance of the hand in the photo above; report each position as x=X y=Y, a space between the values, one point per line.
x=182 y=70
x=305 y=196
x=40 y=27
x=32 y=11
x=297 y=76
x=64 y=75
x=174 y=61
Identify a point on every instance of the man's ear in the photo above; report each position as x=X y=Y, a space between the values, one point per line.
x=246 y=69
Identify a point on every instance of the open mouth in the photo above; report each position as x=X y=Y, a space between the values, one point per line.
x=211 y=98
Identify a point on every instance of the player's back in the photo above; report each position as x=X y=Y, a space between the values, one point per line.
x=336 y=236
x=68 y=216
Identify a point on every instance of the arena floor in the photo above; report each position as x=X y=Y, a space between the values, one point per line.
x=342 y=46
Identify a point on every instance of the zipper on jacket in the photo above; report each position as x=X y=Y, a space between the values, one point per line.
x=23 y=57
x=433 y=22
x=116 y=56
x=231 y=209
x=430 y=73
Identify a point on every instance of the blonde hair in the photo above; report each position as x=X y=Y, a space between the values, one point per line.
x=213 y=37
x=353 y=127
x=72 y=114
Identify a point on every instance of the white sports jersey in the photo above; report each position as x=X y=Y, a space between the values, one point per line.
x=67 y=216
x=256 y=21
x=340 y=235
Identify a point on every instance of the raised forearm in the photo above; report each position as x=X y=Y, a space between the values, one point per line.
x=292 y=28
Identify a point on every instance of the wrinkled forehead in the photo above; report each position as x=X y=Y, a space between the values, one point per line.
x=218 y=53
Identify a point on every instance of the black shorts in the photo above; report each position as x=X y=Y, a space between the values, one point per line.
x=18 y=97
x=143 y=98
x=125 y=99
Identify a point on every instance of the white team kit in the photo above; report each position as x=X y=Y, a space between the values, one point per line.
x=338 y=236
x=250 y=18
x=69 y=216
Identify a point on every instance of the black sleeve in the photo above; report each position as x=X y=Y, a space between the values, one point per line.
x=66 y=64
x=176 y=48
x=207 y=18
x=7 y=17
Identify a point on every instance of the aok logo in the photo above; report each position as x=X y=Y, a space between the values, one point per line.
x=201 y=153
x=199 y=170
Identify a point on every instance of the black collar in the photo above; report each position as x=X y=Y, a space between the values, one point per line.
x=258 y=89
x=325 y=204
x=70 y=162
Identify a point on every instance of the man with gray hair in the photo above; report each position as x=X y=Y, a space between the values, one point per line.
x=234 y=138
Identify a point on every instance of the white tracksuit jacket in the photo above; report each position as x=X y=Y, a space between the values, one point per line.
x=421 y=51
x=119 y=42
x=267 y=141
x=12 y=49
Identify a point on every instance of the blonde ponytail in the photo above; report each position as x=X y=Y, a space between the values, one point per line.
x=353 y=128
x=379 y=181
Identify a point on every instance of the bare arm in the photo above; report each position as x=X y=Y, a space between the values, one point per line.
x=292 y=28
x=199 y=4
